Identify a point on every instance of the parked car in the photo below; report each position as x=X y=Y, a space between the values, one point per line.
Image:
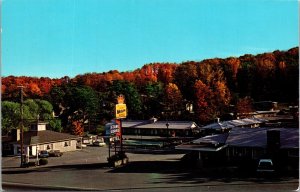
x=80 y=145
x=43 y=154
x=265 y=166
x=55 y=153
x=99 y=143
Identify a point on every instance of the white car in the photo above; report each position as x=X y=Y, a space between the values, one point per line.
x=98 y=143
x=265 y=165
x=80 y=145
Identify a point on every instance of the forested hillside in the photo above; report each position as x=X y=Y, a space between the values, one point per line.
x=163 y=90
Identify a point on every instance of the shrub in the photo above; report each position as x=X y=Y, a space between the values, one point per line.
x=117 y=157
x=43 y=161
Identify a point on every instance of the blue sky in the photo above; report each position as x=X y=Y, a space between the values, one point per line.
x=55 y=38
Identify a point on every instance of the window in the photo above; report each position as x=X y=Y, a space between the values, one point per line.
x=18 y=150
x=48 y=147
x=67 y=143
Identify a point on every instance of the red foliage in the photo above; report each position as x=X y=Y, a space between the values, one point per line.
x=204 y=97
x=165 y=73
x=173 y=95
x=234 y=63
x=244 y=105
x=77 y=128
x=32 y=86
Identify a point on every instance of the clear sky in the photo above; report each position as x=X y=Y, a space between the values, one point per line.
x=54 y=38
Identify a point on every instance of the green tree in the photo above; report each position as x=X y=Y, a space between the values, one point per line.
x=55 y=125
x=57 y=94
x=185 y=77
x=45 y=109
x=10 y=116
x=81 y=103
x=33 y=107
x=132 y=97
x=151 y=99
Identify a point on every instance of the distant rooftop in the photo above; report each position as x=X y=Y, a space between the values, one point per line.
x=246 y=137
x=159 y=124
x=39 y=137
x=235 y=123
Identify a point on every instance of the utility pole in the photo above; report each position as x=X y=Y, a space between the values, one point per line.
x=167 y=124
x=22 y=126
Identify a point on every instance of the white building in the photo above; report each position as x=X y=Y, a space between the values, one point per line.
x=38 y=138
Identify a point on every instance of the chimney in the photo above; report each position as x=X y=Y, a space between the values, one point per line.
x=39 y=126
x=16 y=134
x=273 y=140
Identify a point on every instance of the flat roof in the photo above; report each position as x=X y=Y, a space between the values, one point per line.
x=257 y=137
x=235 y=123
x=194 y=147
x=159 y=124
x=245 y=137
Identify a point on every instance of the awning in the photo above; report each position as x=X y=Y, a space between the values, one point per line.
x=194 y=147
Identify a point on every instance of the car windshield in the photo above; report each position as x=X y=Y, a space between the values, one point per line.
x=44 y=152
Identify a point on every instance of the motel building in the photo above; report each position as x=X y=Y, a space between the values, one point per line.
x=245 y=146
x=37 y=139
x=151 y=134
x=156 y=128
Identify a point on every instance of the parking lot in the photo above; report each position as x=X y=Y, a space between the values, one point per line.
x=87 y=169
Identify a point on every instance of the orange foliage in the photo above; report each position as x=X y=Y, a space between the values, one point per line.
x=3 y=89
x=282 y=65
x=204 y=107
x=165 y=73
x=244 y=105
x=77 y=128
x=173 y=94
x=128 y=76
x=222 y=93
x=234 y=64
x=265 y=64
x=33 y=89
x=32 y=85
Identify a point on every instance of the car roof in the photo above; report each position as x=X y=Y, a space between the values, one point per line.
x=265 y=160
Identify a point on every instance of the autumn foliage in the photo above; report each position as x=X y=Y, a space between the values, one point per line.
x=211 y=85
x=77 y=128
x=244 y=105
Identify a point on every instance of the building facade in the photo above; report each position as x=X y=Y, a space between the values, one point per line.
x=38 y=139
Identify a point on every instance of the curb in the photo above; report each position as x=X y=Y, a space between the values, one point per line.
x=24 y=186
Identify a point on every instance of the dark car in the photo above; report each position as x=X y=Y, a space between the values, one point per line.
x=55 y=153
x=43 y=154
x=266 y=168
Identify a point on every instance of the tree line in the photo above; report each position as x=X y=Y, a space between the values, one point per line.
x=213 y=87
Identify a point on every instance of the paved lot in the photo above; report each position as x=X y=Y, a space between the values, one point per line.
x=87 y=169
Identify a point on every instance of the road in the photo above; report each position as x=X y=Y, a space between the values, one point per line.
x=87 y=169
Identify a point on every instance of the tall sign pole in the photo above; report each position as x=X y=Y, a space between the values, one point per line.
x=121 y=113
x=121 y=135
